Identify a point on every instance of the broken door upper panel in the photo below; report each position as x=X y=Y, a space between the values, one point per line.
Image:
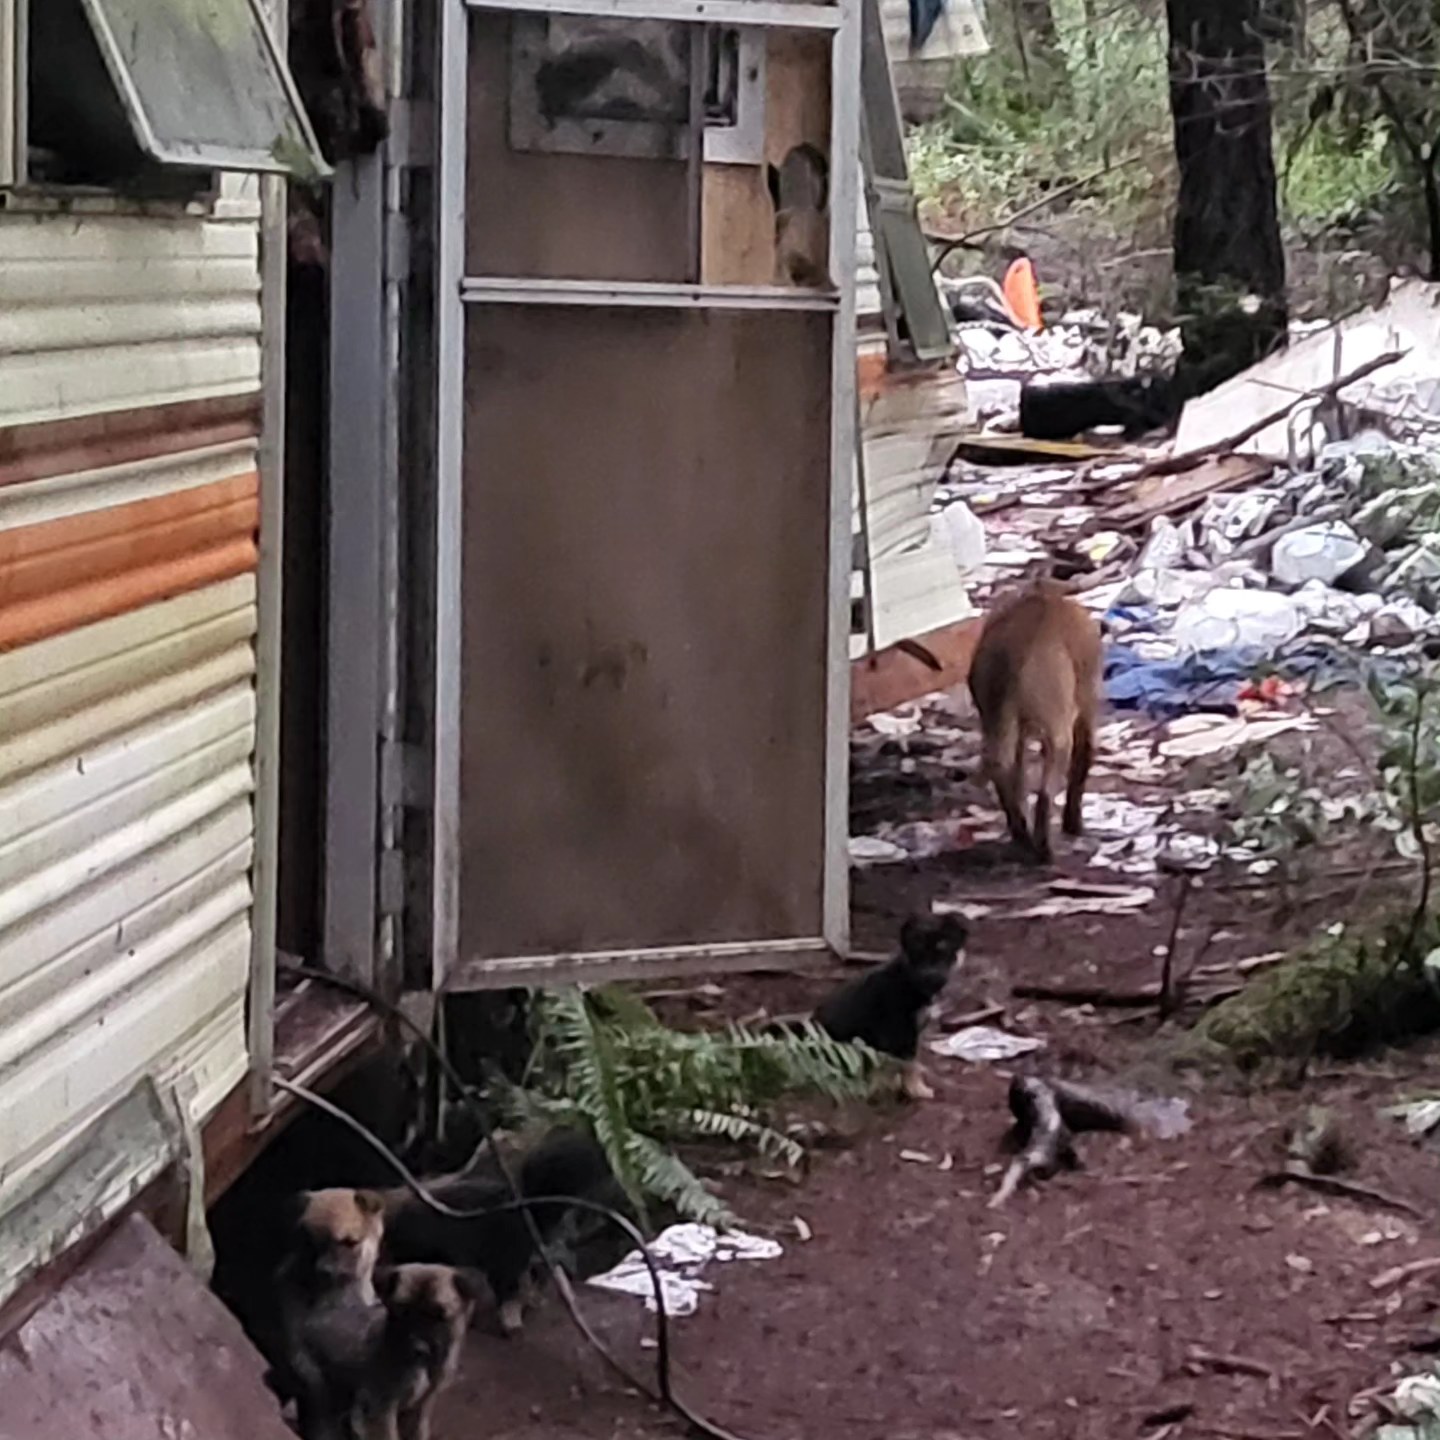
x=581 y=166
x=558 y=215
x=646 y=501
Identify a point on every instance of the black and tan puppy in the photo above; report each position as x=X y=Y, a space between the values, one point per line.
x=329 y=1313
x=415 y=1349
x=888 y=1008
x=500 y=1245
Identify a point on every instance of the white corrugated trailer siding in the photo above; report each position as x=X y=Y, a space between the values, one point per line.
x=129 y=415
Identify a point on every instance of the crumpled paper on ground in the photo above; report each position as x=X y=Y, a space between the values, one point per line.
x=680 y=1254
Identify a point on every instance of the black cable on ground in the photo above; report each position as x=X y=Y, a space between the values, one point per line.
x=664 y=1392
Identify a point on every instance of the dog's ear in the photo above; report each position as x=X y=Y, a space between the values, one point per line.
x=772 y=183
x=912 y=936
x=954 y=931
x=369 y=1202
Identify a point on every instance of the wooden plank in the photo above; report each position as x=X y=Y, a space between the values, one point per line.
x=892 y=677
x=1169 y=494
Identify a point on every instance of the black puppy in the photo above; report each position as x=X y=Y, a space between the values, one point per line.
x=887 y=1009
x=566 y=1163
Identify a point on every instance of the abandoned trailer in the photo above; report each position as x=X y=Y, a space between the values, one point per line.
x=368 y=602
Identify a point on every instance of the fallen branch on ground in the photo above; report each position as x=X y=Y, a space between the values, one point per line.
x=1048 y=1115
x=1399 y=1274
x=1198 y=1360
x=1099 y=995
x=1343 y=1189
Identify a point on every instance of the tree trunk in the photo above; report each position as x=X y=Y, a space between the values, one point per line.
x=1229 y=263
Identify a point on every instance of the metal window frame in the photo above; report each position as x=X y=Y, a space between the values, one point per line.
x=455 y=291
x=270 y=584
x=207 y=156
x=13 y=87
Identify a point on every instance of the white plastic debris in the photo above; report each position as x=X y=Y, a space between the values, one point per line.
x=1420 y=1116
x=1229 y=520
x=984 y=1045
x=965 y=535
x=1322 y=552
x=680 y=1254
x=1417 y=1397
x=1230 y=618
x=1166 y=546
x=872 y=850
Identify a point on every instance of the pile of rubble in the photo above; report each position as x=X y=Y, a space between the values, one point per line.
x=1206 y=559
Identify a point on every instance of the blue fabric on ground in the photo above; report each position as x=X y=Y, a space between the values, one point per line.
x=1177 y=685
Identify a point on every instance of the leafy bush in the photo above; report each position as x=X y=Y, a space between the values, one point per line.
x=605 y=1061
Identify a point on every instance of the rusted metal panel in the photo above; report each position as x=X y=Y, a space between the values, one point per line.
x=134 y=1347
x=100 y=313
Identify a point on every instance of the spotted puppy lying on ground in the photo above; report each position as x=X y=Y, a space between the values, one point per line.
x=888 y=1008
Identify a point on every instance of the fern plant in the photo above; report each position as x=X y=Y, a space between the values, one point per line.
x=604 y=1060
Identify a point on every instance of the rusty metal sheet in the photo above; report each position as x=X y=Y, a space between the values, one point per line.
x=134 y=1347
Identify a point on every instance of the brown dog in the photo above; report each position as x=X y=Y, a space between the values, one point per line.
x=427 y=1310
x=1036 y=675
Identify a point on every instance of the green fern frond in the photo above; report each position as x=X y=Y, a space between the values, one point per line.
x=669 y=1179
x=594 y=1084
x=605 y=1059
x=745 y=1130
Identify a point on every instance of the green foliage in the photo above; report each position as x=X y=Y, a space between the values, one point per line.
x=1330 y=178
x=1342 y=995
x=1005 y=136
x=604 y=1060
x=1347 y=991
x=1279 y=813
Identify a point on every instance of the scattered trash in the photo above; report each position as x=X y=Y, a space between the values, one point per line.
x=984 y=1045
x=871 y=850
x=680 y=1254
x=1222 y=734
x=1324 y=552
x=1420 y=1116
x=1416 y=1400
x=1256 y=622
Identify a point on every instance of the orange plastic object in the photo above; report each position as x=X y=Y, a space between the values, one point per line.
x=1022 y=294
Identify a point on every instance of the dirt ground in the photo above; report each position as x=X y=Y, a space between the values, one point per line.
x=1155 y=1292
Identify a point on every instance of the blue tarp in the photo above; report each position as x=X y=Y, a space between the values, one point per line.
x=1175 y=686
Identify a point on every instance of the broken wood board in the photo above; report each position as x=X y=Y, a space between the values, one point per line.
x=890 y=677
x=1168 y=494
x=1018 y=450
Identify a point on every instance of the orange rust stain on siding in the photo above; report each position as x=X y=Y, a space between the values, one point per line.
x=70 y=572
